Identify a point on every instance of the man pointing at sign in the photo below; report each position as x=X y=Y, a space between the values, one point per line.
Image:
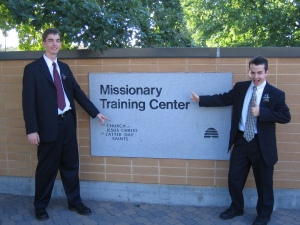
x=256 y=107
x=49 y=94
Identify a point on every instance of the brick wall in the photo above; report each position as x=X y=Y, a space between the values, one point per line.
x=18 y=158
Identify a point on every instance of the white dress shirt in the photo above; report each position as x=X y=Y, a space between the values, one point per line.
x=50 y=66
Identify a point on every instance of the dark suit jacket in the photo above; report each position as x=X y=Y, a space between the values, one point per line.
x=40 y=102
x=273 y=109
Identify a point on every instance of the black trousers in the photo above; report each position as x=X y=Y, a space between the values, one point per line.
x=60 y=155
x=244 y=156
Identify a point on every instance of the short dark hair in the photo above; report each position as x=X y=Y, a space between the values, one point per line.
x=259 y=60
x=50 y=31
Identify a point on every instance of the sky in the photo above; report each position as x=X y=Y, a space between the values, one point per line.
x=11 y=40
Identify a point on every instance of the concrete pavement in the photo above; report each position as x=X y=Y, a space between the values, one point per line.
x=15 y=209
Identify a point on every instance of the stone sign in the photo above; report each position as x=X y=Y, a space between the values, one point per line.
x=152 y=115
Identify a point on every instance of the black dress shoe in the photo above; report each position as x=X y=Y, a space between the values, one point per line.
x=261 y=220
x=41 y=214
x=230 y=213
x=81 y=209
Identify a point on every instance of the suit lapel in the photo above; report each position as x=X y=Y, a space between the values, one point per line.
x=266 y=93
x=243 y=92
x=45 y=70
x=63 y=72
x=245 y=89
x=267 y=89
x=64 y=77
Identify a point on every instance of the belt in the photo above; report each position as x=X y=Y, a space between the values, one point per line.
x=64 y=114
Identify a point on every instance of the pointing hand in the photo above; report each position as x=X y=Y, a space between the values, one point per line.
x=195 y=97
x=102 y=118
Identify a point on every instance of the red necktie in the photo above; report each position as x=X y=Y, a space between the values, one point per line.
x=60 y=93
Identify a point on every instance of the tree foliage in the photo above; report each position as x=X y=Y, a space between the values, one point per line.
x=7 y=23
x=100 y=24
x=234 y=23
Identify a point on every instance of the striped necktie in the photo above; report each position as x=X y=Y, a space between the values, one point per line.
x=59 y=89
x=251 y=120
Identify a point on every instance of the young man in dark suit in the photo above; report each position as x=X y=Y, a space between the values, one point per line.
x=253 y=139
x=49 y=91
